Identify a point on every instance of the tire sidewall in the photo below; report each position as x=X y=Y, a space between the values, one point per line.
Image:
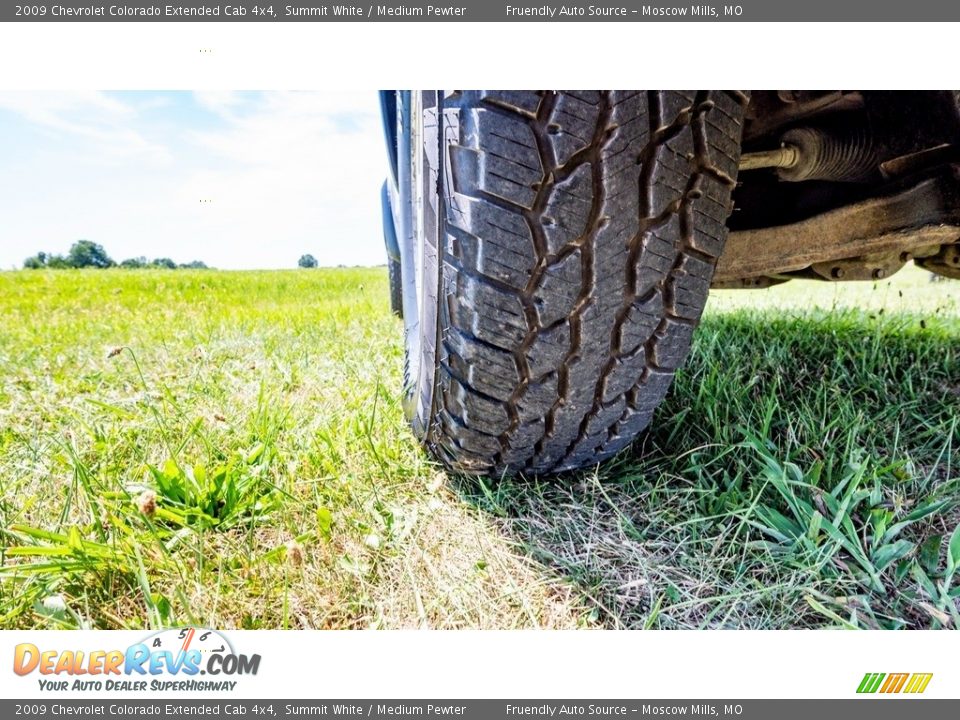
x=422 y=203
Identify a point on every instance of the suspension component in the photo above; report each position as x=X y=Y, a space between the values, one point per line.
x=814 y=154
x=945 y=262
x=784 y=156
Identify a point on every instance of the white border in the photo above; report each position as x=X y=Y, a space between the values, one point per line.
x=535 y=664
x=375 y=55
x=155 y=56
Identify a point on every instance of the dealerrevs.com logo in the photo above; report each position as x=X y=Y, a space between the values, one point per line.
x=169 y=660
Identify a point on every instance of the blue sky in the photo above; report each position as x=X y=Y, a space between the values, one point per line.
x=283 y=173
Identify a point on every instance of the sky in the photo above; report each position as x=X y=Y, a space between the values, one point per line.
x=239 y=180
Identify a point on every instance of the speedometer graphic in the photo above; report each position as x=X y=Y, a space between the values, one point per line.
x=184 y=639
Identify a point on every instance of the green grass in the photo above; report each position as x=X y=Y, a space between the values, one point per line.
x=228 y=449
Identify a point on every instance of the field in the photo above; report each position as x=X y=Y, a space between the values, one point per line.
x=228 y=449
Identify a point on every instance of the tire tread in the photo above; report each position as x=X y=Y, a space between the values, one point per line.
x=582 y=234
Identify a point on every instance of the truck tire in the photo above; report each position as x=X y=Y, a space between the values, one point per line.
x=564 y=243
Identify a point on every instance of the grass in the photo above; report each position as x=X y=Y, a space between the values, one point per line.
x=228 y=449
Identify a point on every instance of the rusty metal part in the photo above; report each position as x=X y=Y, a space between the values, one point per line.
x=848 y=156
x=815 y=154
x=912 y=162
x=924 y=215
x=871 y=266
x=773 y=111
x=945 y=262
x=754 y=283
x=781 y=157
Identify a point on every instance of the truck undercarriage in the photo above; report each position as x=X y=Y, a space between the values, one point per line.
x=551 y=252
x=847 y=185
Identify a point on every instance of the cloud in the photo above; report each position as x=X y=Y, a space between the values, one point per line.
x=219 y=102
x=281 y=174
x=295 y=167
x=102 y=123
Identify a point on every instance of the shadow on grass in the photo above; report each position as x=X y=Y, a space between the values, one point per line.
x=688 y=528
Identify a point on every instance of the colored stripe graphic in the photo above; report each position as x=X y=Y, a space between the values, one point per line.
x=918 y=682
x=870 y=682
x=894 y=683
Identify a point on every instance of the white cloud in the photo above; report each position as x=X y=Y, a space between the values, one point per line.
x=220 y=102
x=300 y=170
x=287 y=173
x=103 y=123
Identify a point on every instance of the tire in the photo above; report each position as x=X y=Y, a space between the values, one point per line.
x=564 y=244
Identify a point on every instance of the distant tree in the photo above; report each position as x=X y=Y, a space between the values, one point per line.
x=86 y=253
x=36 y=262
x=307 y=261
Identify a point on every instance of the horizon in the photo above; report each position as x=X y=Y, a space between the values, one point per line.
x=209 y=268
x=180 y=264
x=237 y=180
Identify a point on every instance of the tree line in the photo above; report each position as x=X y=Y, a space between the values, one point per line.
x=88 y=254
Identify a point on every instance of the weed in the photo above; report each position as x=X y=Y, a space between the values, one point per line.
x=228 y=449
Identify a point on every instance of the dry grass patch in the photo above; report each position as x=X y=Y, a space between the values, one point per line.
x=455 y=570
